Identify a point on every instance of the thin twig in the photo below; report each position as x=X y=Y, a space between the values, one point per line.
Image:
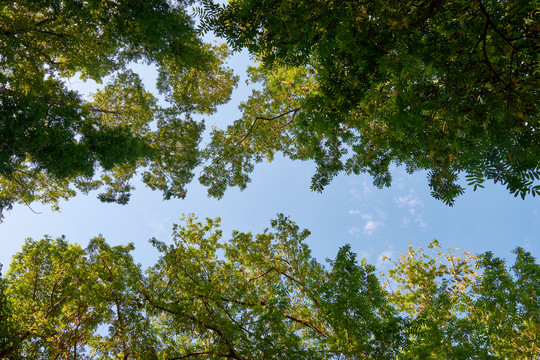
x=307 y=324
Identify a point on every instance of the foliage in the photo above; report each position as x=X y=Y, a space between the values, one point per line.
x=265 y=129
x=508 y=306
x=61 y=295
x=55 y=142
x=466 y=306
x=263 y=297
x=445 y=86
x=436 y=292
x=7 y=340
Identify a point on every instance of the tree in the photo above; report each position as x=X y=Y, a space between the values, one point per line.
x=445 y=86
x=61 y=294
x=507 y=308
x=466 y=306
x=55 y=142
x=435 y=289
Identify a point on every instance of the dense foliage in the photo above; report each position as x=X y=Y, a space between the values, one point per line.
x=264 y=297
x=447 y=86
x=54 y=141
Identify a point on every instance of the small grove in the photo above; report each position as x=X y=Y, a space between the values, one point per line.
x=264 y=296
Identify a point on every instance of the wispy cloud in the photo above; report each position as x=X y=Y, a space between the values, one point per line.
x=399 y=182
x=381 y=214
x=421 y=222
x=410 y=200
x=354 y=231
x=371 y=223
x=366 y=188
x=412 y=203
x=360 y=192
x=354 y=194
x=157 y=226
x=365 y=253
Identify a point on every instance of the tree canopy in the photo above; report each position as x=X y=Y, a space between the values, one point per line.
x=447 y=86
x=264 y=296
x=450 y=87
x=55 y=142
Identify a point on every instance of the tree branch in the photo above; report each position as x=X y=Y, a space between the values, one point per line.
x=262 y=275
x=490 y=22
x=232 y=353
x=309 y=325
x=294 y=111
x=486 y=58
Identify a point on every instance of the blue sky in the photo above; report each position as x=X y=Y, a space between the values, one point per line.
x=350 y=210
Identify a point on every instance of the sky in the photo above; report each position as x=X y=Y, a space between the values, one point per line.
x=375 y=222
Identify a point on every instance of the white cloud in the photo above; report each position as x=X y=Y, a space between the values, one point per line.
x=157 y=226
x=353 y=231
x=366 y=188
x=421 y=223
x=412 y=203
x=410 y=200
x=372 y=224
x=354 y=194
x=361 y=193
